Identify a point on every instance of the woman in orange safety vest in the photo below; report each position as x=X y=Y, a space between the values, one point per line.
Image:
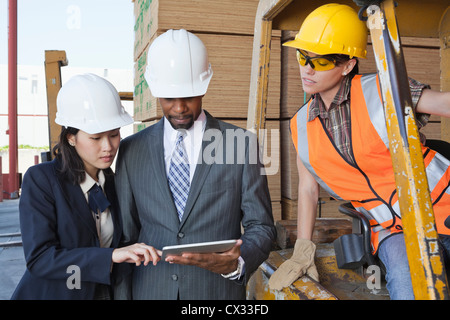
x=342 y=144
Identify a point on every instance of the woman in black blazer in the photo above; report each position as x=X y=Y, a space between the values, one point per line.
x=70 y=245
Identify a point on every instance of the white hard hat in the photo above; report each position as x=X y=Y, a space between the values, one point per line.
x=90 y=103
x=178 y=65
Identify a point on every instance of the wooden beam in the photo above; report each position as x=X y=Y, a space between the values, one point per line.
x=267 y=10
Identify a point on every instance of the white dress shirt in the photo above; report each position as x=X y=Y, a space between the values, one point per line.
x=105 y=226
x=193 y=144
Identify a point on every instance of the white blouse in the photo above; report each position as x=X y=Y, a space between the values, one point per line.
x=105 y=226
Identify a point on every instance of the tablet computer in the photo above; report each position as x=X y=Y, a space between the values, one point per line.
x=201 y=247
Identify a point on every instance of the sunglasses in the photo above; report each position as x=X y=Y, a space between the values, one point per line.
x=319 y=63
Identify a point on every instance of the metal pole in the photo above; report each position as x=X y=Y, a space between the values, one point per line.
x=13 y=183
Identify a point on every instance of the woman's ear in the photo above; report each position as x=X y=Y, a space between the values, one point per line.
x=349 y=67
x=71 y=139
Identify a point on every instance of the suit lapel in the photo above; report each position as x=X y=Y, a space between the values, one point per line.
x=76 y=200
x=157 y=164
x=202 y=169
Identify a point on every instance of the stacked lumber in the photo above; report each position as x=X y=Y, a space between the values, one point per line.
x=226 y=29
x=228 y=92
x=202 y=16
x=326 y=230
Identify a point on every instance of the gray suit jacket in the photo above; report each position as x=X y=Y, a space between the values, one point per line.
x=223 y=195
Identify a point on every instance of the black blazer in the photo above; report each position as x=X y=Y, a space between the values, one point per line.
x=59 y=233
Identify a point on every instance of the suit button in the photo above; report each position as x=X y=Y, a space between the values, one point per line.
x=180 y=235
x=174 y=277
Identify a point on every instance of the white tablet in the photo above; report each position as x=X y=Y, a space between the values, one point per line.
x=201 y=247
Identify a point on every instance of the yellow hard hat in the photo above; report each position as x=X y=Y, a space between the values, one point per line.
x=332 y=29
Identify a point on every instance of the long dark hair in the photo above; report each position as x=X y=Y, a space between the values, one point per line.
x=72 y=165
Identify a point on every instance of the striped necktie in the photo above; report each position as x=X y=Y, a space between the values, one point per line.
x=179 y=174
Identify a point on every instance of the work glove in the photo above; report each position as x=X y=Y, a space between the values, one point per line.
x=301 y=263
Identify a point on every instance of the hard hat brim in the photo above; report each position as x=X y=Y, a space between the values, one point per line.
x=319 y=50
x=94 y=127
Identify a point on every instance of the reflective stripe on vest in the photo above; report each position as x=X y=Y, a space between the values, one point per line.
x=369 y=184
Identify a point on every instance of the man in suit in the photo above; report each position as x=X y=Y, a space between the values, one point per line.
x=223 y=181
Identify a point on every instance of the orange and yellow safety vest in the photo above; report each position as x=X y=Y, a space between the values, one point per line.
x=369 y=183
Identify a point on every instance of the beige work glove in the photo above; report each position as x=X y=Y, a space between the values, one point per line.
x=301 y=263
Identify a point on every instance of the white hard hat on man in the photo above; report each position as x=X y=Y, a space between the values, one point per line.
x=178 y=65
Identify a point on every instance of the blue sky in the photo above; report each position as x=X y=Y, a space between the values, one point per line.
x=94 y=33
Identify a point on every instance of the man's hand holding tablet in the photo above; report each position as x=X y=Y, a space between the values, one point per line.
x=219 y=256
